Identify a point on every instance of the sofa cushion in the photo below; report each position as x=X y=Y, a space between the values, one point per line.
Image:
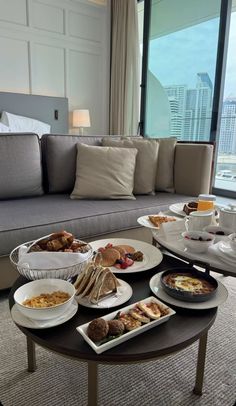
x=20 y=166
x=165 y=165
x=24 y=220
x=146 y=162
x=59 y=159
x=104 y=172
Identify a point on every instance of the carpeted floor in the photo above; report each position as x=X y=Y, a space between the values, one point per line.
x=62 y=382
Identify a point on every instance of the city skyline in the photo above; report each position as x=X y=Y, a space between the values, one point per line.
x=189 y=45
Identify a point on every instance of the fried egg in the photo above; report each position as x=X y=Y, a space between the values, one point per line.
x=188 y=283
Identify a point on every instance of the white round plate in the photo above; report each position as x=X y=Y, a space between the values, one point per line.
x=219 y=297
x=152 y=256
x=123 y=294
x=24 y=321
x=145 y=222
x=177 y=208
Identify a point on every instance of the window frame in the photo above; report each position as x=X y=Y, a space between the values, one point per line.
x=221 y=60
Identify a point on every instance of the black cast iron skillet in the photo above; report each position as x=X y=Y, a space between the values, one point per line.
x=185 y=295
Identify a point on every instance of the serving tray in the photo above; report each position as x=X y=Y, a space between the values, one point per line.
x=126 y=336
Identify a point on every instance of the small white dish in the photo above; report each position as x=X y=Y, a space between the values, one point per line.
x=145 y=222
x=24 y=321
x=43 y=286
x=126 y=336
x=191 y=240
x=152 y=256
x=123 y=294
x=216 y=300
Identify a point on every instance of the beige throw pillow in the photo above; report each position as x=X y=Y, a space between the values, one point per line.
x=104 y=173
x=146 y=162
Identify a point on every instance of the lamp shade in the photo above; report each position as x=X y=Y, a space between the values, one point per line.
x=81 y=118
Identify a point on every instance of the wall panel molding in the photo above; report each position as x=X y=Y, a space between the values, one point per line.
x=51 y=31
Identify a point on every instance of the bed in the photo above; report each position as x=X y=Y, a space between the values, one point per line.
x=47 y=109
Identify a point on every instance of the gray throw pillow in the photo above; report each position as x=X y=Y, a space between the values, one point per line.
x=104 y=173
x=20 y=166
x=146 y=162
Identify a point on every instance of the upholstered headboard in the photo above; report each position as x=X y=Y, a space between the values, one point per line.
x=51 y=110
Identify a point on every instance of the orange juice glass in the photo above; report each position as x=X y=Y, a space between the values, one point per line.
x=206 y=202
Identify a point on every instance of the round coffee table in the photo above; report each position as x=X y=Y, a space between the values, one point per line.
x=183 y=329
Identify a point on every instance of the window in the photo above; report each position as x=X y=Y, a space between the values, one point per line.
x=183 y=54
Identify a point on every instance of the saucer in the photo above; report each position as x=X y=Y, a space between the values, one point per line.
x=24 y=321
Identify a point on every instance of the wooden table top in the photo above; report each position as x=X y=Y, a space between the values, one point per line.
x=181 y=330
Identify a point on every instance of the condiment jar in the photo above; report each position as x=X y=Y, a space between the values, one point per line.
x=206 y=202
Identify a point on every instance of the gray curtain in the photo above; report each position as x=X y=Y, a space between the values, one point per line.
x=125 y=65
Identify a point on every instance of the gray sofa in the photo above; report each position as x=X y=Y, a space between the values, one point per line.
x=37 y=177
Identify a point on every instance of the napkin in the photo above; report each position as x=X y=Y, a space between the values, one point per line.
x=214 y=249
x=50 y=260
x=172 y=228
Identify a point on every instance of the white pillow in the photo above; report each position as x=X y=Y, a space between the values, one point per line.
x=24 y=124
x=4 y=128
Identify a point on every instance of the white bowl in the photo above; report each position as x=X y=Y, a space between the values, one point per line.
x=192 y=242
x=232 y=241
x=214 y=230
x=35 y=288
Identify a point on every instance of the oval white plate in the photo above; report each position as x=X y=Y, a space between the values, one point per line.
x=145 y=222
x=123 y=294
x=152 y=256
x=219 y=297
x=24 y=321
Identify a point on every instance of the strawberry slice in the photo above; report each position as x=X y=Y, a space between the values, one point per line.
x=129 y=261
x=109 y=245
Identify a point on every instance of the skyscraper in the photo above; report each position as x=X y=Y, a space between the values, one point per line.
x=191 y=109
x=227 y=138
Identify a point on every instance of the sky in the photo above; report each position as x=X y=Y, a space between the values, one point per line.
x=190 y=51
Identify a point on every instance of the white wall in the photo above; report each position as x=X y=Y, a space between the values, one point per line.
x=58 y=48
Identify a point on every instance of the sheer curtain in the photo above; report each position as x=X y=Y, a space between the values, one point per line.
x=125 y=65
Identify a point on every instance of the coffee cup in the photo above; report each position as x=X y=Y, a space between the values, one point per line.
x=198 y=220
x=228 y=217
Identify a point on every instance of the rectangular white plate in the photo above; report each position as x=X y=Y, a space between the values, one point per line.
x=110 y=344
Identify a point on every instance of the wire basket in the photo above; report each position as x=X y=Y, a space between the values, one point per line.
x=59 y=273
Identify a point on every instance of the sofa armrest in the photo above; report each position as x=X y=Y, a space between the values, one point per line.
x=193 y=168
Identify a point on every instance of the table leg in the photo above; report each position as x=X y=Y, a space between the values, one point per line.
x=200 y=365
x=92 y=383
x=31 y=356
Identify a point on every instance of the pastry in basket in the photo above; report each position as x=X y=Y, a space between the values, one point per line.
x=59 y=242
x=95 y=283
x=158 y=220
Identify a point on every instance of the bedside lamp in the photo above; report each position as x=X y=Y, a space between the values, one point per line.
x=81 y=119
